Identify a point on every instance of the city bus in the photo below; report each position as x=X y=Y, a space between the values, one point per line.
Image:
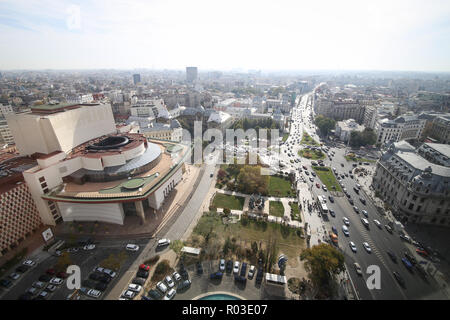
x=321 y=202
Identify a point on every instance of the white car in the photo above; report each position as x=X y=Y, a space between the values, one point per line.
x=134 y=287
x=50 y=288
x=29 y=263
x=14 y=276
x=378 y=223
x=352 y=246
x=163 y=242
x=109 y=272
x=56 y=281
x=89 y=247
x=346 y=221
x=129 y=294
x=367 y=247
x=132 y=247
x=43 y=294
x=38 y=284
x=251 y=272
x=94 y=293
x=364 y=212
x=345 y=230
x=365 y=222
x=161 y=286
x=169 y=281
x=358 y=268
x=176 y=276
x=236 y=266
x=170 y=294
x=222 y=265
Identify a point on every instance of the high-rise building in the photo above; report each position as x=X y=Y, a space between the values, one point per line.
x=191 y=74
x=136 y=78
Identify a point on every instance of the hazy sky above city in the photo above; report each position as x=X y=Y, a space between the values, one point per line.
x=222 y=35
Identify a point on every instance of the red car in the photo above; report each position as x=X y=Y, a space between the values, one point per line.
x=318 y=185
x=144 y=267
x=51 y=272
x=422 y=252
x=62 y=275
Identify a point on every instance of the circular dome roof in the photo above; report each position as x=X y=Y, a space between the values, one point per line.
x=114 y=142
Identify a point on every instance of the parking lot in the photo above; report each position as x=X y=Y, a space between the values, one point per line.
x=87 y=260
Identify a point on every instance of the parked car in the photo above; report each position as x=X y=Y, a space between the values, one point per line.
x=62 y=275
x=139 y=281
x=22 y=269
x=236 y=267
x=14 y=276
x=251 y=272
x=51 y=271
x=105 y=279
x=132 y=247
x=45 y=278
x=94 y=293
x=95 y=276
x=43 y=295
x=243 y=269
x=56 y=281
x=184 y=285
x=142 y=274
x=101 y=286
x=154 y=294
x=216 y=276
x=170 y=294
x=229 y=266
x=5 y=283
x=240 y=279
x=50 y=288
x=33 y=291
x=134 y=287
x=168 y=280
x=89 y=247
x=144 y=267
x=38 y=284
x=259 y=275
x=129 y=294
x=222 y=265
x=161 y=286
x=29 y=263
x=199 y=268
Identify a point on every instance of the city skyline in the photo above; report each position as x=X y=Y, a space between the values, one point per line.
x=250 y=35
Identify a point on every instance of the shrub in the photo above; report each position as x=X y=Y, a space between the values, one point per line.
x=152 y=260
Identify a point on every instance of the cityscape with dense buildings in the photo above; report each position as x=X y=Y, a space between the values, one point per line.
x=198 y=183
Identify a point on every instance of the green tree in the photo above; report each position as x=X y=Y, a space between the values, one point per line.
x=323 y=262
x=250 y=180
x=325 y=124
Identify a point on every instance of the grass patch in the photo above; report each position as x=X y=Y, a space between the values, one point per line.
x=327 y=177
x=247 y=231
x=228 y=201
x=295 y=211
x=276 y=209
x=308 y=140
x=357 y=159
x=285 y=136
x=311 y=154
x=280 y=187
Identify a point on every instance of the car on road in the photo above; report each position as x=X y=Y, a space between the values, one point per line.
x=222 y=265
x=388 y=228
x=94 y=293
x=352 y=246
x=324 y=187
x=236 y=267
x=377 y=223
x=169 y=281
x=311 y=179
x=89 y=247
x=342 y=165
x=318 y=185
x=399 y=279
x=356 y=209
x=332 y=213
x=363 y=201
x=132 y=247
x=410 y=257
x=216 y=276
x=367 y=247
x=358 y=269
x=351 y=201
x=29 y=263
x=392 y=256
x=251 y=272
x=56 y=281
x=365 y=222
x=14 y=276
x=170 y=294
x=405 y=238
x=365 y=213
x=334 y=229
x=331 y=198
x=345 y=230
x=163 y=242
x=346 y=221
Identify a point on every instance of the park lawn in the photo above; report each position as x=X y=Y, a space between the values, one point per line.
x=288 y=240
x=327 y=177
x=311 y=154
x=285 y=136
x=356 y=159
x=227 y=201
x=276 y=209
x=279 y=187
x=295 y=211
x=306 y=139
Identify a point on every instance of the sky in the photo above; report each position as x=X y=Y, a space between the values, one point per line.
x=403 y=35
